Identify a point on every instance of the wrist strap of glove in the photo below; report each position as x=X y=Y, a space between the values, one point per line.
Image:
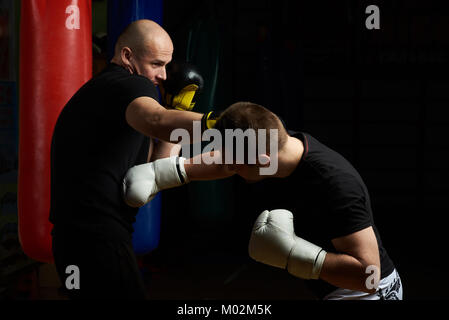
x=170 y=172
x=306 y=259
x=181 y=170
x=208 y=120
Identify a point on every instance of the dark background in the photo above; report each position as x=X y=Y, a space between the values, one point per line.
x=379 y=97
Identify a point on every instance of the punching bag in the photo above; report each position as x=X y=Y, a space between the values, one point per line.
x=120 y=14
x=55 y=61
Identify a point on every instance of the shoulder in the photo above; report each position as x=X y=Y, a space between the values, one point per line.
x=330 y=163
x=118 y=77
x=133 y=80
x=135 y=86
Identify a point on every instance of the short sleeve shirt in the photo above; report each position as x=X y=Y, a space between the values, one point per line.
x=92 y=148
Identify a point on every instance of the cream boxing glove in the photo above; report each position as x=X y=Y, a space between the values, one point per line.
x=143 y=182
x=273 y=242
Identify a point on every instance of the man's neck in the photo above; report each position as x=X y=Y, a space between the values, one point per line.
x=289 y=157
x=118 y=62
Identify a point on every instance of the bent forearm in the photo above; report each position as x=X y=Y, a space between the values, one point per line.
x=345 y=271
x=162 y=124
x=147 y=116
x=163 y=149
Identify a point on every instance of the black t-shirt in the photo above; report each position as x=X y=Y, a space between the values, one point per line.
x=328 y=199
x=92 y=148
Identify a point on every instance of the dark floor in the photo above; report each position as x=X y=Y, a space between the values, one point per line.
x=199 y=270
x=209 y=278
x=215 y=269
x=225 y=277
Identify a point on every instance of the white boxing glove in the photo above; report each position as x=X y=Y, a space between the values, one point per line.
x=143 y=182
x=273 y=242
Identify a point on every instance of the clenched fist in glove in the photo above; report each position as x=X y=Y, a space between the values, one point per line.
x=273 y=242
x=182 y=87
x=143 y=182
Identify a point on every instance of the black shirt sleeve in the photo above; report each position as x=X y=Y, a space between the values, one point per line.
x=349 y=210
x=115 y=94
x=134 y=87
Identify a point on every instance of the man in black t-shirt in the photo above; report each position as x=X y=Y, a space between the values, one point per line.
x=317 y=194
x=112 y=123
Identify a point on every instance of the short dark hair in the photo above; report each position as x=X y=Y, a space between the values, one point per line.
x=248 y=115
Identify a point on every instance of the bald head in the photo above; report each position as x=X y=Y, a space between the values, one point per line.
x=143 y=35
x=144 y=48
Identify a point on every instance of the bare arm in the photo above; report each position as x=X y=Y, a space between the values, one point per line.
x=196 y=168
x=163 y=149
x=147 y=116
x=207 y=166
x=348 y=268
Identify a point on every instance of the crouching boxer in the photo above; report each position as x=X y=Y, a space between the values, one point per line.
x=322 y=227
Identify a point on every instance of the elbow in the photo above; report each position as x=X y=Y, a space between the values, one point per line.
x=371 y=278
x=147 y=117
x=161 y=126
x=154 y=123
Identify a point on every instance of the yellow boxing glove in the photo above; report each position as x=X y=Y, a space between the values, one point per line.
x=182 y=87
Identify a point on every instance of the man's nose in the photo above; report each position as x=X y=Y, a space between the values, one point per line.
x=162 y=74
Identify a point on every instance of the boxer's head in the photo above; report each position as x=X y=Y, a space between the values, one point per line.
x=269 y=134
x=144 y=48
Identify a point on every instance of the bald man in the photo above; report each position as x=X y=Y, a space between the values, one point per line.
x=107 y=127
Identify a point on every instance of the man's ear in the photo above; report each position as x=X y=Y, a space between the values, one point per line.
x=125 y=54
x=264 y=160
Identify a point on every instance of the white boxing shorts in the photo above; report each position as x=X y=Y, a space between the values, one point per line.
x=390 y=288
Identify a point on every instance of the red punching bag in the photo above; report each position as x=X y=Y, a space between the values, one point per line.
x=55 y=61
